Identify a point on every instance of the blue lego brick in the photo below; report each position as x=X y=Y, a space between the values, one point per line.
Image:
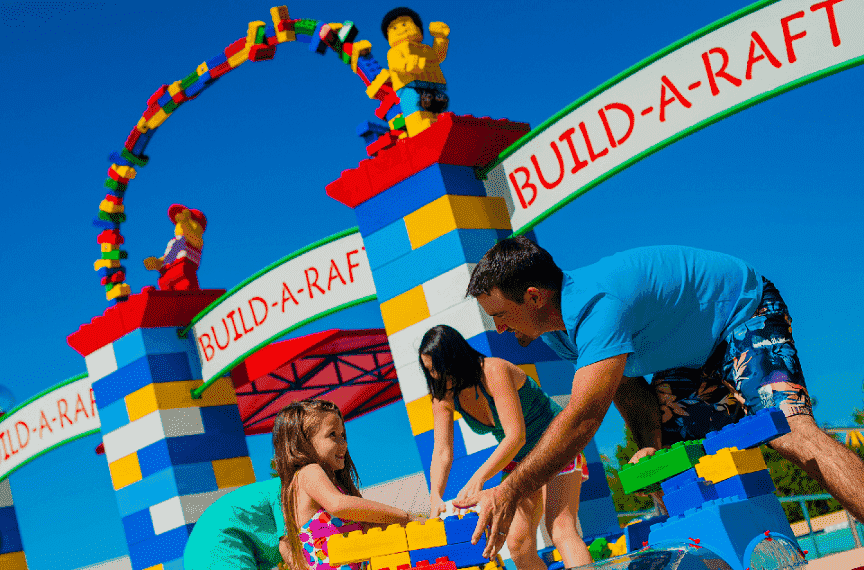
x=369 y=66
x=393 y=112
x=506 y=346
x=463 y=554
x=113 y=416
x=460 y=471
x=415 y=192
x=316 y=44
x=166 y=546
x=202 y=83
x=458 y=529
x=689 y=496
x=159 y=340
x=108 y=271
x=726 y=526
x=149 y=369
x=556 y=377
x=149 y=491
x=370 y=131
x=141 y=144
x=8 y=519
x=596 y=486
x=436 y=257
x=303 y=38
x=119 y=160
x=675 y=482
x=637 y=533
x=426 y=443
x=104 y=224
x=269 y=31
x=546 y=554
x=749 y=431
x=138 y=527
x=216 y=61
x=592 y=455
x=746 y=486
x=387 y=244
x=164 y=99
x=598 y=517
x=10 y=540
x=173 y=565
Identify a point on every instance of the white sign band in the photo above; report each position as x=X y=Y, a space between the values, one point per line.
x=734 y=64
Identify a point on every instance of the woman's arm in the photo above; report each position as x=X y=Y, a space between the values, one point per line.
x=313 y=481
x=501 y=378
x=442 y=454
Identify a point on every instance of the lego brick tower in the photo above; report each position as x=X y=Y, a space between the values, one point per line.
x=11 y=549
x=170 y=456
x=426 y=220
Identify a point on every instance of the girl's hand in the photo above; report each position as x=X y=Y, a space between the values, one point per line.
x=470 y=489
x=437 y=506
x=416 y=518
x=644 y=452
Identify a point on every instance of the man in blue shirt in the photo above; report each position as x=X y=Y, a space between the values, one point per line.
x=714 y=334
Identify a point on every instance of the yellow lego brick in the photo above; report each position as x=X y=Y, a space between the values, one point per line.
x=404 y=310
x=390 y=561
x=425 y=535
x=252 y=31
x=729 y=462
x=142 y=125
x=420 y=415
x=356 y=546
x=357 y=50
x=556 y=556
x=170 y=395
x=125 y=471
x=239 y=57
x=202 y=69
x=111 y=208
x=530 y=370
x=156 y=120
x=124 y=171
x=448 y=213
x=121 y=290
x=277 y=14
x=106 y=247
x=233 y=472
x=100 y=263
x=174 y=88
x=619 y=547
x=13 y=561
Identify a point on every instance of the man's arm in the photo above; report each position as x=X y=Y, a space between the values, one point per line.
x=637 y=404
x=594 y=387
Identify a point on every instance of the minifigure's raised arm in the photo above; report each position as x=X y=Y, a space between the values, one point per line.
x=440 y=31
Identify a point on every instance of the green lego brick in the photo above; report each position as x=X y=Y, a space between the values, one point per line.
x=259 y=35
x=599 y=549
x=170 y=106
x=114 y=185
x=189 y=80
x=115 y=218
x=136 y=160
x=346 y=59
x=399 y=123
x=660 y=466
x=116 y=254
x=305 y=27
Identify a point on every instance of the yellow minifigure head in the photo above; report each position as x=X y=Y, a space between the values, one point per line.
x=401 y=24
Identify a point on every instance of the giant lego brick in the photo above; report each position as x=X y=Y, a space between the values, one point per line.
x=462 y=554
x=650 y=471
x=598 y=517
x=164 y=485
x=448 y=213
x=426 y=534
x=404 y=310
x=746 y=485
x=178 y=394
x=460 y=528
x=160 y=340
x=636 y=534
x=151 y=428
x=690 y=495
x=357 y=546
x=13 y=561
x=426 y=443
x=749 y=431
x=161 y=548
x=148 y=309
x=388 y=243
x=596 y=486
x=148 y=369
x=728 y=462
x=490 y=342
x=457 y=140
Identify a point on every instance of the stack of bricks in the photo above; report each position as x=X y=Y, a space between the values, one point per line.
x=170 y=455
x=11 y=548
x=433 y=545
x=718 y=493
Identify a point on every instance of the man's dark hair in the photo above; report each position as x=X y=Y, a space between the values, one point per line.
x=398 y=13
x=512 y=265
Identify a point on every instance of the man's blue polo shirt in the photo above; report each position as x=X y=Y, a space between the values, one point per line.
x=664 y=306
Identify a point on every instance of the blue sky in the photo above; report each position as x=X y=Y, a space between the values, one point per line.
x=775 y=185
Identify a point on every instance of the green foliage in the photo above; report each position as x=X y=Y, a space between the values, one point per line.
x=623 y=502
x=792 y=480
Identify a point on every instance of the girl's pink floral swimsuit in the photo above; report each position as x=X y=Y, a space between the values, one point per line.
x=313 y=538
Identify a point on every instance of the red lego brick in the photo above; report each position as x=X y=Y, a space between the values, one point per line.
x=384 y=141
x=180 y=97
x=385 y=105
x=114 y=199
x=132 y=139
x=148 y=309
x=110 y=236
x=286 y=25
x=220 y=70
x=262 y=52
x=154 y=99
x=457 y=140
x=151 y=110
x=442 y=563
x=272 y=41
x=234 y=48
x=114 y=176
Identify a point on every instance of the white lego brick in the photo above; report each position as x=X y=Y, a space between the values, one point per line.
x=497 y=186
x=447 y=289
x=5 y=493
x=475 y=442
x=412 y=382
x=183 y=510
x=153 y=427
x=466 y=317
x=101 y=362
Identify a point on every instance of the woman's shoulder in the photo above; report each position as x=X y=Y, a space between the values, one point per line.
x=494 y=367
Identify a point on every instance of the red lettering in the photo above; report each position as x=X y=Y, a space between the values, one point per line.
x=351 y=266
x=526 y=185
x=330 y=278
x=43 y=423
x=243 y=321
x=290 y=296
x=22 y=445
x=757 y=39
x=630 y=117
x=3 y=441
x=568 y=136
x=62 y=412
x=237 y=334
x=313 y=283
x=536 y=164
x=788 y=38
x=79 y=408
x=92 y=403
x=227 y=336
x=209 y=345
x=676 y=96
x=591 y=153
x=712 y=75
x=828 y=5
x=254 y=316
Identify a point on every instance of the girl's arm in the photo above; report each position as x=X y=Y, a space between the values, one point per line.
x=313 y=481
x=501 y=377
x=442 y=454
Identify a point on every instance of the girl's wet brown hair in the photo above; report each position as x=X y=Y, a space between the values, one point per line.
x=293 y=429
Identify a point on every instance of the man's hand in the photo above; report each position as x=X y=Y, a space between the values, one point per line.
x=644 y=452
x=495 y=508
x=470 y=489
x=439 y=29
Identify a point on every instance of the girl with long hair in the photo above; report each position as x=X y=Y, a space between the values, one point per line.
x=319 y=493
x=495 y=396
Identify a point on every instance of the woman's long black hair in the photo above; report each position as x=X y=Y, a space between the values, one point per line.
x=452 y=357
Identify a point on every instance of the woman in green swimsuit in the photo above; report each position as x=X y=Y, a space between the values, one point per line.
x=495 y=396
